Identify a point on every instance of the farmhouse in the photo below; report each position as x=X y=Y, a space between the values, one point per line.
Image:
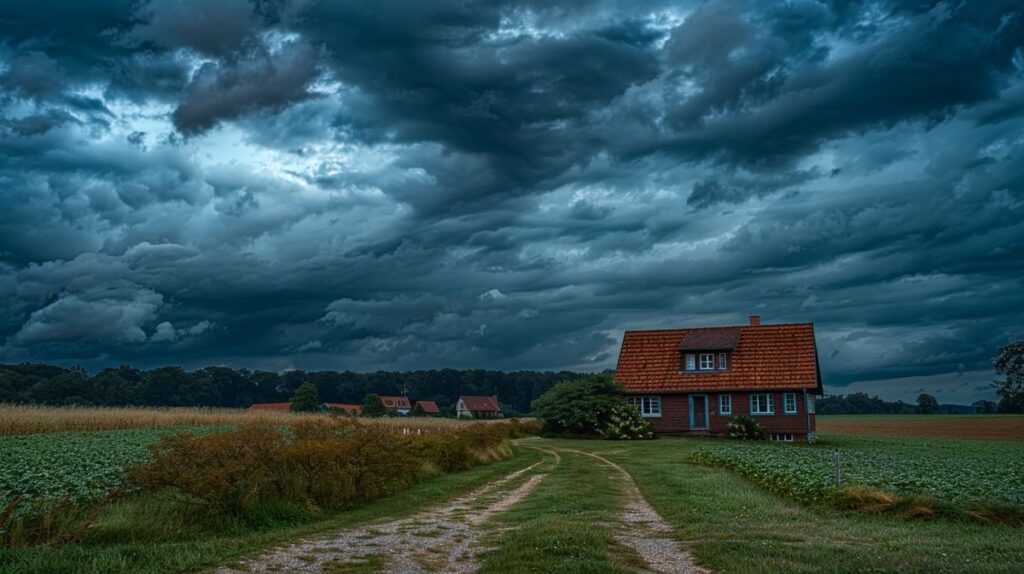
x=695 y=380
x=429 y=408
x=400 y=404
x=478 y=407
x=348 y=409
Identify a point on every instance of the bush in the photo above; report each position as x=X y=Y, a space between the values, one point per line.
x=316 y=465
x=591 y=406
x=626 y=423
x=746 y=428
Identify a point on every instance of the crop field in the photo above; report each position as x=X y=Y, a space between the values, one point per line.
x=73 y=466
x=964 y=427
x=955 y=471
x=26 y=419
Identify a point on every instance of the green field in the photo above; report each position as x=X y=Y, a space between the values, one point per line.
x=78 y=466
x=957 y=471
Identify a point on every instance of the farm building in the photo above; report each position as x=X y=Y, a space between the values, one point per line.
x=695 y=380
x=478 y=407
x=346 y=408
x=400 y=404
x=429 y=408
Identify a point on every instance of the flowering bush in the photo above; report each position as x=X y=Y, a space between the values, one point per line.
x=746 y=428
x=626 y=423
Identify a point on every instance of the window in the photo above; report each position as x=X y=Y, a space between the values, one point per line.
x=725 y=404
x=691 y=362
x=810 y=404
x=789 y=403
x=707 y=361
x=722 y=362
x=649 y=405
x=762 y=404
x=783 y=436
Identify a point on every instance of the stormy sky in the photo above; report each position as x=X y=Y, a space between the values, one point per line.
x=405 y=184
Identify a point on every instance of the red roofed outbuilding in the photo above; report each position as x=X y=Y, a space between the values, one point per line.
x=346 y=408
x=695 y=380
x=478 y=407
x=429 y=408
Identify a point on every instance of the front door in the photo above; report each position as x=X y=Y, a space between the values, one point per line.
x=698 y=412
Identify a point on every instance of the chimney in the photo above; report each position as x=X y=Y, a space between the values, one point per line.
x=755 y=320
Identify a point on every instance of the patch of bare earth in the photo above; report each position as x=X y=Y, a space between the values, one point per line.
x=442 y=539
x=643 y=530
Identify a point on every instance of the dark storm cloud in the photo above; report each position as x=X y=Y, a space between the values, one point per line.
x=397 y=184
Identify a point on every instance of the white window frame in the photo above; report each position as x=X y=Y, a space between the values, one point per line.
x=710 y=361
x=810 y=404
x=725 y=405
x=723 y=361
x=649 y=405
x=691 y=362
x=786 y=397
x=755 y=406
x=782 y=437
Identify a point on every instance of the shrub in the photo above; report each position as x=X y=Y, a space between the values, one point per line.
x=306 y=399
x=586 y=407
x=626 y=423
x=746 y=428
x=317 y=464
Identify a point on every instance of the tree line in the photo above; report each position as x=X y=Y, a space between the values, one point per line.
x=35 y=383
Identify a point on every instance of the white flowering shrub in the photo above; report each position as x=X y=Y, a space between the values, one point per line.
x=625 y=423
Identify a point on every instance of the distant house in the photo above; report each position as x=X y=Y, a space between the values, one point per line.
x=346 y=408
x=695 y=380
x=429 y=408
x=271 y=407
x=400 y=404
x=478 y=407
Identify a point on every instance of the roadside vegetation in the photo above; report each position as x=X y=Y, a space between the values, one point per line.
x=57 y=486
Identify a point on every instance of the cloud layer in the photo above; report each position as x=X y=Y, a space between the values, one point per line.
x=394 y=184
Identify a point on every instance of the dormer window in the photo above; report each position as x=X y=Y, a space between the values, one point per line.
x=723 y=363
x=691 y=362
x=707 y=361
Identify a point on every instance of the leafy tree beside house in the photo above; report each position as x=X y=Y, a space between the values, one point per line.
x=372 y=407
x=1010 y=364
x=927 y=404
x=306 y=399
x=590 y=406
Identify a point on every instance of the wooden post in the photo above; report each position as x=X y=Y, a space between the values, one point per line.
x=839 y=475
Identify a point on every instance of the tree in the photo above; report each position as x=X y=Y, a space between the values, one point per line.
x=1010 y=363
x=417 y=411
x=591 y=405
x=306 y=399
x=372 y=407
x=926 y=404
x=984 y=407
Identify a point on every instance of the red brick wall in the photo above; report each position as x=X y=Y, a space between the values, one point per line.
x=675 y=414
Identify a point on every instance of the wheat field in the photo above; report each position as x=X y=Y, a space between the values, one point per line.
x=34 y=419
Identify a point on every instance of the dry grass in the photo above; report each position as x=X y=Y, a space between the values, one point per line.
x=966 y=427
x=28 y=419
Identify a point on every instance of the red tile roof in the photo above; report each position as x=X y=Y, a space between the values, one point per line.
x=429 y=407
x=481 y=404
x=271 y=407
x=710 y=339
x=765 y=357
x=349 y=409
x=396 y=402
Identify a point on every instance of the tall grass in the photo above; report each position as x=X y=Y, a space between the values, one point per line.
x=32 y=419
